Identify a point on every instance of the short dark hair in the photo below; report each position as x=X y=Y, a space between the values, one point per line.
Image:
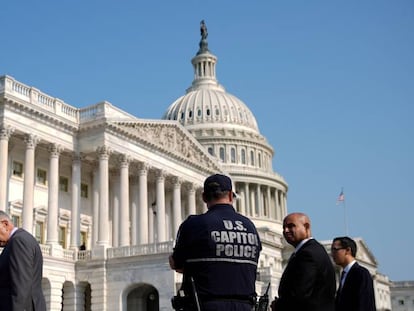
x=347 y=242
x=217 y=186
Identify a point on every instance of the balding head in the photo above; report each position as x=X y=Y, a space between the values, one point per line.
x=296 y=228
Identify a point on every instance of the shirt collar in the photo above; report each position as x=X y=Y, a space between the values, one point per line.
x=302 y=243
x=13 y=231
x=349 y=266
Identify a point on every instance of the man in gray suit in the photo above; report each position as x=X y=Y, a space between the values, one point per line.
x=21 y=265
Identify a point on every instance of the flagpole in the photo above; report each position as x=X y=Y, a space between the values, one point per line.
x=341 y=198
x=345 y=218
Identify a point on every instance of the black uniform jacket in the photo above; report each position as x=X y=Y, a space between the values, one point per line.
x=220 y=250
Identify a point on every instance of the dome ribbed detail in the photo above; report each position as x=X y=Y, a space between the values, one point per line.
x=207 y=106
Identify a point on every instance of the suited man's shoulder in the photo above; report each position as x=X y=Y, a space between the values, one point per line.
x=313 y=245
x=24 y=235
x=358 y=269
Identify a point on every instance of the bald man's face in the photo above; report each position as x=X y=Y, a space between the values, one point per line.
x=296 y=228
x=5 y=228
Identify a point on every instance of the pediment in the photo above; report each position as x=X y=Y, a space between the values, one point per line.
x=170 y=138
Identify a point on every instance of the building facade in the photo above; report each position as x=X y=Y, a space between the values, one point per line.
x=120 y=186
x=402 y=296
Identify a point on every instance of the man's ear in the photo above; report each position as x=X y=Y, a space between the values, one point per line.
x=231 y=196
x=204 y=197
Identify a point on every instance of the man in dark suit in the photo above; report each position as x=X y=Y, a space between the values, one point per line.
x=356 y=289
x=308 y=281
x=21 y=265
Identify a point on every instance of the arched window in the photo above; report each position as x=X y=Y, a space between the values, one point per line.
x=210 y=150
x=252 y=158
x=259 y=159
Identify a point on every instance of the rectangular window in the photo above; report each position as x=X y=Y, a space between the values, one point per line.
x=41 y=176
x=16 y=220
x=62 y=236
x=39 y=232
x=83 y=240
x=84 y=191
x=17 y=169
x=63 y=184
x=233 y=155
x=222 y=154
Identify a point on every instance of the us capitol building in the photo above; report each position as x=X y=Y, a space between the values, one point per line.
x=104 y=192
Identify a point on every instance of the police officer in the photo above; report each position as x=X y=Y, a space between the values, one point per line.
x=219 y=250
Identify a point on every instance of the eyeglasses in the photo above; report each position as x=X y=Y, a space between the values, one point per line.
x=335 y=249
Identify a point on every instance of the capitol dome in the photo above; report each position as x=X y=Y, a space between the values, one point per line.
x=206 y=102
x=222 y=123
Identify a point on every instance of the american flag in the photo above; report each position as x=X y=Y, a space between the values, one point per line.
x=341 y=197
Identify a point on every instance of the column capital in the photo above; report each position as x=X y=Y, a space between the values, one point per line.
x=6 y=132
x=103 y=152
x=177 y=180
x=143 y=167
x=190 y=186
x=55 y=150
x=161 y=174
x=31 y=141
x=124 y=160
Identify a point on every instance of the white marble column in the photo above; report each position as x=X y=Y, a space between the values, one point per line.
x=241 y=198
x=284 y=200
x=191 y=199
x=75 y=216
x=134 y=184
x=103 y=232
x=114 y=195
x=269 y=208
x=124 y=238
x=143 y=204
x=160 y=206
x=29 y=179
x=53 y=195
x=279 y=212
x=176 y=204
x=257 y=202
x=5 y=134
x=95 y=204
x=247 y=199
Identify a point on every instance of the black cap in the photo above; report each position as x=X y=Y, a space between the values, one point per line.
x=218 y=182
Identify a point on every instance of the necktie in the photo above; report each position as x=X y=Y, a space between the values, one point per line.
x=341 y=282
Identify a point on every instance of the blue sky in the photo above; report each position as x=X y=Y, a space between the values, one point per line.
x=330 y=84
